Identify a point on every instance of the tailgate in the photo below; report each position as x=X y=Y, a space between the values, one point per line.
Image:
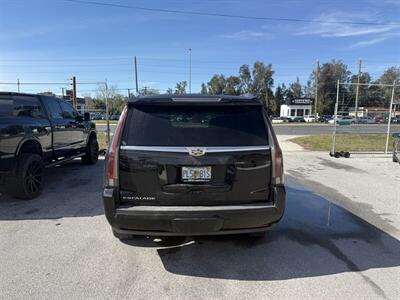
x=154 y=177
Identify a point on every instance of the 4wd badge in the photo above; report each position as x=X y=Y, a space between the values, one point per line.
x=197 y=151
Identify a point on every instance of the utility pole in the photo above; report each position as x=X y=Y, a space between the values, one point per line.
x=107 y=113
x=390 y=117
x=18 y=84
x=357 y=89
x=316 y=90
x=136 y=79
x=190 y=70
x=73 y=94
x=62 y=92
x=335 y=118
x=129 y=94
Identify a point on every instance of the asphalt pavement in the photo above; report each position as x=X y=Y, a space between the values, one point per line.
x=60 y=246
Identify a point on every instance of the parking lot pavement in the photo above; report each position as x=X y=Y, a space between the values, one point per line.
x=60 y=246
x=366 y=185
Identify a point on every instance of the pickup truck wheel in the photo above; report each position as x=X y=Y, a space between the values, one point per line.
x=92 y=152
x=29 y=179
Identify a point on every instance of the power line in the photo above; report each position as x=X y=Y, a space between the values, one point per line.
x=198 y=13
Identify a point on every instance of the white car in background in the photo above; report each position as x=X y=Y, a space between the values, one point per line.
x=277 y=120
x=310 y=118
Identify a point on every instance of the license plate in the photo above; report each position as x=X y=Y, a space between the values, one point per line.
x=190 y=174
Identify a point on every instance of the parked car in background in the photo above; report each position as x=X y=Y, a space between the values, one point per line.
x=325 y=118
x=342 y=120
x=310 y=118
x=277 y=120
x=332 y=120
x=395 y=120
x=169 y=172
x=298 y=120
x=346 y=120
x=365 y=120
x=38 y=131
x=96 y=117
x=114 y=117
x=286 y=119
x=379 y=120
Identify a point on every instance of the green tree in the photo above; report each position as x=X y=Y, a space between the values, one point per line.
x=180 y=87
x=262 y=83
x=376 y=95
x=115 y=101
x=245 y=79
x=388 y=77
x=308 y=90
x=216 y=85
x=169 y=91
x=203 y=90
x=146 y=91
x=363 y=97
x=232 y=86
x=95 y=104
x=279 y=99
x=329 y=74
x=296 y=89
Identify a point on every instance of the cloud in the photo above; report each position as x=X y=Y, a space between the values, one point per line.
x=372 y=34
x=148 y=82
x=344 y=30
x=370 y=42
x=244 y=35
x=374 y=40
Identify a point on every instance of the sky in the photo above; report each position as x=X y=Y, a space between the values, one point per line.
x=51 y=41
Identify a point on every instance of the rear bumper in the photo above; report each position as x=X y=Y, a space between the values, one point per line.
x=193 y=220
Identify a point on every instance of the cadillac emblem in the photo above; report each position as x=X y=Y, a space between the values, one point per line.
x=197 y=151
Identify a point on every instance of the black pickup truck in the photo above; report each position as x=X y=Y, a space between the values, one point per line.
x=37 y=132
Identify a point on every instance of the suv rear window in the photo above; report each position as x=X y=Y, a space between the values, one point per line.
x=195 y=126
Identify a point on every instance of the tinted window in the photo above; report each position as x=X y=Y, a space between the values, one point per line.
x=53 y=107
x=6 y=106
x=195 y=126
x=21 y=106
x=68 y=112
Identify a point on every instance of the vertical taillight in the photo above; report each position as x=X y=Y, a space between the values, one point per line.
x=276 y=154
x=278 y=166
x=112 y=156
x=277 y=163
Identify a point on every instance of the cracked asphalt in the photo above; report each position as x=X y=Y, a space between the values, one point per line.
x=60 y=246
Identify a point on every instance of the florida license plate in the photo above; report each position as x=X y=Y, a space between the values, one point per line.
x=192 y=174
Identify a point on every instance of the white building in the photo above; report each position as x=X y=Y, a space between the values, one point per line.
x=298 y=107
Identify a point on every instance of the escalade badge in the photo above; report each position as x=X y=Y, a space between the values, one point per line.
x=197 y=151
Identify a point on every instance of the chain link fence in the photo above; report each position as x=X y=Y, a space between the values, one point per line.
x=364 y=124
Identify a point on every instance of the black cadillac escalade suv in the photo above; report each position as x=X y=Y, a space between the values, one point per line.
x=193 y=165
x=39 y=131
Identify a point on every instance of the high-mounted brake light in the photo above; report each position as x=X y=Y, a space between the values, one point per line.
x=111 y=171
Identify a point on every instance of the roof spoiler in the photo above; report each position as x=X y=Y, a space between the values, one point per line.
x=188 y=99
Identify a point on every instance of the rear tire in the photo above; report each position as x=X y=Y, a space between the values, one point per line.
x=92 y=152
x=29 y=180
